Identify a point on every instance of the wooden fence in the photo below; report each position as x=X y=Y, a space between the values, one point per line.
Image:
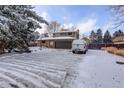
x=99 y=46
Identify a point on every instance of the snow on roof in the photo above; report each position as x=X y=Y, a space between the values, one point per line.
x=118 y=42
x=118 y=39
x=54 y=38
x=65 y=31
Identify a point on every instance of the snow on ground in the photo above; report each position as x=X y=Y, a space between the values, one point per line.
x=41 y=68
x=98 y=69
x=61 y=68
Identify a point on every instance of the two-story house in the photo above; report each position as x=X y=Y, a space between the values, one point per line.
x=60 y=40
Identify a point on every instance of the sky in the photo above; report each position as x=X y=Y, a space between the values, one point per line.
x=84 y=17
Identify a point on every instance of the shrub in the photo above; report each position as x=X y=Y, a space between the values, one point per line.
x=120 y=52
x=111 y=49
x=114 y=50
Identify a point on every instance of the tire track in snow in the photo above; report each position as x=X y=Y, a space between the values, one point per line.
x=10 y=80
x=39 y=62
x=26 y=83
x=54 y=77
x=23 y=76
x=35 y=65
x=36 y=78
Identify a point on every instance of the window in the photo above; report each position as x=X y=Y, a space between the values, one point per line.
x=69 y=33
x=43 y=41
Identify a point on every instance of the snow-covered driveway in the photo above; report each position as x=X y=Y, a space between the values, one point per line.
x=98 y=69
x=45 y=68
x=61 y=68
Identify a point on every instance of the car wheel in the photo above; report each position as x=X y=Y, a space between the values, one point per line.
x=84 y=52
x=73 y=52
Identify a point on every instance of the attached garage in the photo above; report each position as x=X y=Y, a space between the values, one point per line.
x=63 y=44
x=57 y=42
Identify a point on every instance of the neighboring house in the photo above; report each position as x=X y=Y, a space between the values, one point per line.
x=60 y=40
x=118 y=40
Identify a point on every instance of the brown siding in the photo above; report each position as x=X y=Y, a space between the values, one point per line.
x=59 y=44
x=52 y=44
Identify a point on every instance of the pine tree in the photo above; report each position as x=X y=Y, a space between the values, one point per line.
x=118 y=33
x=17 y=22
x=107 y=37
x=93 y=37
x=99 y=36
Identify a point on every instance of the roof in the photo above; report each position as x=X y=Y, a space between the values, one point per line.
x=118 y=39
x=65 y=31
x=119 y=42
x=57 y=38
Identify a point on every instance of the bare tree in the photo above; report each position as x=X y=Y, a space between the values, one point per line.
x=53 y=27
x=118 y=12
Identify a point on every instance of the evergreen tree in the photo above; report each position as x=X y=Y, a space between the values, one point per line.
x=118 y=33
x=107 y=37
x=93 y=37
x=34 y=36
x=17 y=22
x=99 y=36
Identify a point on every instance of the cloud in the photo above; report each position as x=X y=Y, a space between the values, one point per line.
x=45 y=16
x=64 y=17
x=67 y=26
x=87 y=25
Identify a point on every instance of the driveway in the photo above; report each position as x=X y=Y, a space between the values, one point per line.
x=61 y=68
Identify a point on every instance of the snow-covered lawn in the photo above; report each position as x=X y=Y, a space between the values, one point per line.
x=61 y=68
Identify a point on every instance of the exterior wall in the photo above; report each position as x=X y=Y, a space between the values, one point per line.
x=69 y=34
x=39 y=44
x=54 y=44
x=46 y=43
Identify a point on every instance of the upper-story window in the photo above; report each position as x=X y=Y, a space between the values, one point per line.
x=63 y=34
x=69 y=33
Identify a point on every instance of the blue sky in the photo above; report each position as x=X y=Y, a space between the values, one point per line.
x=83 y=17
